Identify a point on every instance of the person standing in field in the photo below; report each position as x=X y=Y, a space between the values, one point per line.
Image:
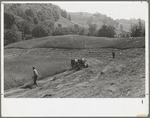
x=35 y=75
x=113 y=54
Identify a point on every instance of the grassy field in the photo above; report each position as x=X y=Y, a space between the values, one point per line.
x=79 y=42
x=122 y=77
x=51 y=55
x=18 y=66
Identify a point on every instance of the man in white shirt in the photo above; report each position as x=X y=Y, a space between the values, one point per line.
x=35 y=75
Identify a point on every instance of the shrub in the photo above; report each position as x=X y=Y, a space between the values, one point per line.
x=29 y=12
x=8 y=20
x=39 y=31
x=92 y=29
x=18 y=36
x=28 y=37
x=106 y=31
x=57 y=31
x=11 y=36
x=59 y=25
x=47 y=23
x=30 y=19
x=35 y=19
x=69 y=17
x=56 y=15
x=64 y=13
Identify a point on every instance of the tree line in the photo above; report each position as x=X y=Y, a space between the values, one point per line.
x=27 y=21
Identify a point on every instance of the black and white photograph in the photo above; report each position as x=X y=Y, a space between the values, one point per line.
x=89 y=50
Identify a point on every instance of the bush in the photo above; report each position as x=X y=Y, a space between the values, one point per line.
x=24 y=26
x=47 y=23
x=92 y=29
x=8 y=20
x=49 y=31
x=18 y=36
x=35 y=20
x=30 y=19
x=82 y=32
x=39 y=31
x=29 y=12
x=64 y=13
x=106 y=31
x=56 y=15
x=57 y=31
x=59 y=25
x=11 y=36
x=28 y=37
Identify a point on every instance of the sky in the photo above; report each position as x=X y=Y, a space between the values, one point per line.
x=115 y=10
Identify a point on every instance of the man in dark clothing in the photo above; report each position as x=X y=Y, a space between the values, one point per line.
x=35 y=75
x=113 y=53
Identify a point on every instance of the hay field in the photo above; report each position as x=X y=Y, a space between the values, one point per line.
x=105 y=77
x=79 y=42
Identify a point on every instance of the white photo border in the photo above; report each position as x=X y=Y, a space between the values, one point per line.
x=87 y=107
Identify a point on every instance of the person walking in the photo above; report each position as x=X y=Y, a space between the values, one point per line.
x=35 y=75
x=113 y=54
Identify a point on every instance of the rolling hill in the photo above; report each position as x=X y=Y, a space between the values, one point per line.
x=105 y=77
x=79 y=42
x=65 y=22
x=82 y=18
x=128 y=23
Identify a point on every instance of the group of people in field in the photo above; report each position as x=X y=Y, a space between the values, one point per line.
x=75 y=64
x=78 y=63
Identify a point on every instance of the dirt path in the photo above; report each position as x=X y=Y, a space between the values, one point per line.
x=101 y=79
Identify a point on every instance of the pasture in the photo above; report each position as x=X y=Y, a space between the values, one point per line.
x=79 y=42
x=18 y=66
x=105 y=77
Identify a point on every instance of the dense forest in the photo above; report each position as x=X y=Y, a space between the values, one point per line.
x=27 y=21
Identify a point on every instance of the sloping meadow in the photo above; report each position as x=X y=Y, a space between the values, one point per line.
x=75 y=41
x=20 y=57
x=18 y=66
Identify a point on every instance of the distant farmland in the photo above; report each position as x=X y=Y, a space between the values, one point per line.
x=79 y=42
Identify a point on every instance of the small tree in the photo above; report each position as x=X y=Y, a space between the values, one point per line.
x=47 y=23
x=64 y=13
x=9 y=20
x=30 y=19
x=82 y=32
x=24 y=27
x=39 y=31
x=135 y=31
x=59 y=25
x=76 y=26
x=56 y=15
x=30 y=12
x=121 y=27
x=57 y=31
x=14 y=27
x=9 y=37
x=106 y=31
x=35 y=19
x=69 y=17
x=92 y=29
